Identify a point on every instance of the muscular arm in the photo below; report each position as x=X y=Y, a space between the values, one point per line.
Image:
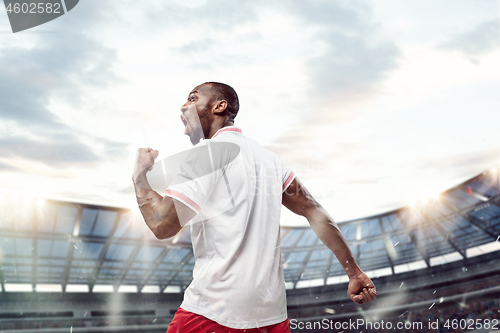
x=298 y=199
x=162 y=215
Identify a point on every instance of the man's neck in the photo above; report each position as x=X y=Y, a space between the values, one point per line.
x=215 y=127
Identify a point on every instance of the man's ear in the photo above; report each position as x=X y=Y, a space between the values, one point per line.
x=220 y=107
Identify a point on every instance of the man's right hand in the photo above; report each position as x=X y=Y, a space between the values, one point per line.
x=144 y=161
x=361 y=289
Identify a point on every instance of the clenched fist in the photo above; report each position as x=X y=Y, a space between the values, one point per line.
x=144 y=161
x=361 y=289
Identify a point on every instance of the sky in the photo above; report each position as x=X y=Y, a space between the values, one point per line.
x=373 y=104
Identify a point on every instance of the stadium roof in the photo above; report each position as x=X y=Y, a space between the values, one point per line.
x=55 y=246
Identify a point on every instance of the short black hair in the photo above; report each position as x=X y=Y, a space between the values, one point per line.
x=225 y=92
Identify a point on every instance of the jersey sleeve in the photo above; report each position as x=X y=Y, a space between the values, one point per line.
x=288 y=177
x=196 y=180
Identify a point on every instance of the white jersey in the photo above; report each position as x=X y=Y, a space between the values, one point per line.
x=238 y=280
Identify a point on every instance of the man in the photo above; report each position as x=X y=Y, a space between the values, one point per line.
x=233 y=202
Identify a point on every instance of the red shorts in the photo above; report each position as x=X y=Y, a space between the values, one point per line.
x=187 y=322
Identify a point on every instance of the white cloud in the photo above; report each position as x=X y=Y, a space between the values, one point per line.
x=483 y=38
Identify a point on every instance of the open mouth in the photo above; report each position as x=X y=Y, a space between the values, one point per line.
x=185 y=122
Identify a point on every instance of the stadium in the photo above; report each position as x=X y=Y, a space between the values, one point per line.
x=73 y=267
x=370 y=103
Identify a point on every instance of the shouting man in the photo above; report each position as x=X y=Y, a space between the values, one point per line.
x=231 y=190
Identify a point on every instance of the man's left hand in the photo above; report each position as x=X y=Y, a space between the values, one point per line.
x=361 y=289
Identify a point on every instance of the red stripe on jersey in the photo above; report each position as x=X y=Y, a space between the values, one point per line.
x=288 y=180
x=184 y=198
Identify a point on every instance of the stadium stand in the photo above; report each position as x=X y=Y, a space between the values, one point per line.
x=74 y=267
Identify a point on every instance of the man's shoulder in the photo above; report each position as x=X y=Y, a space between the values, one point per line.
x=245 y=143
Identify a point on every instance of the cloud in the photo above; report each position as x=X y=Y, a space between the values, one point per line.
x=7 y=167
x=464 y=165
x=213 y=15
x=111 y=149
x=348 y=53
x=351 y=65
x=352 y=59
x=330 y=14
x=129 y=190
x=483 y=38
x=60 y=149
x=58 y=66
x=356 y=57
x=50 y=152
x=196 y=47
x=58 y=63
